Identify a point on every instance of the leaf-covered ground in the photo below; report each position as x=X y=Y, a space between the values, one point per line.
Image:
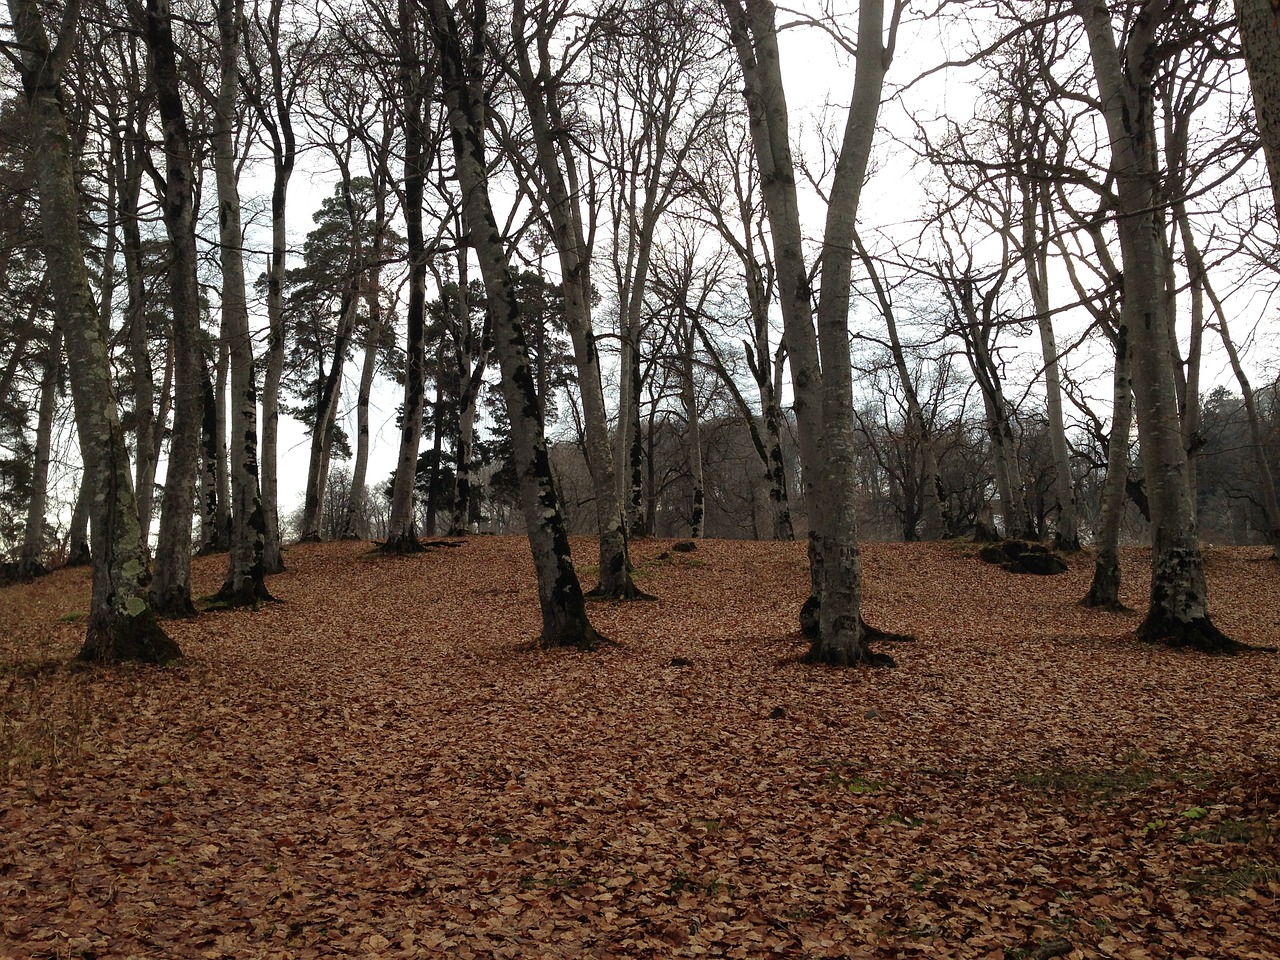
x=376 y=768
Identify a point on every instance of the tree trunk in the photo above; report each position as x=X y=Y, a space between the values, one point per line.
x=121 y=623
x=277 y=118
x=326 y=414
x=222 y=430
x=212 y=535
x=1177 y=614
x=171 y=589
x=934 y=500
x=470 y=371
x=693 y=439
x=1259 y=22
x=148 y=428
x=1257 y=439
x=564 y=614
x=31 y=558
x=402 y=532
x=245 y=583
x=560 y=200
x=1105 y=590
x=1035 y=258
x=823 y=394
x=357 y=521
x=78 y=549
x=437 y=446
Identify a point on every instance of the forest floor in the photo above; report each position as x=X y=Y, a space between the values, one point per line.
x=378 y=766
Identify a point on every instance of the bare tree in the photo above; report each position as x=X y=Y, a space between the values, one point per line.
x=415 y=82
x=171 y=589
x=1178 y=613
x=1259 y=22
x=277 y=64
x=724 y=180
x=245 y=583
x=121 y=623
x=564 y=615
x=820 y=366
x=557 y=179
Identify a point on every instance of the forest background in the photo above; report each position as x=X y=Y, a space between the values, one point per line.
x=671 y=186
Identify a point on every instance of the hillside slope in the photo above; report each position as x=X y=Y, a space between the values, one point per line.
x=378 y=767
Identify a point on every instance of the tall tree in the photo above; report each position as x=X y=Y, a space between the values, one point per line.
x=245 y=583
x=121 y=623
x=415 y=81
x=171 y=590
x=821 y=373
x=31 y=559
x=1259 y=22
x=277 y=68
x=564 y=614
x=1124 y=68
x=725 y=182
x=557 y=176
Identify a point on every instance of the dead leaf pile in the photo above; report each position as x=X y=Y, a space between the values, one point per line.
x=375 y=768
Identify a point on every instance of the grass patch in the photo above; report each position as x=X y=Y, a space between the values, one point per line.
x=1095 y=783
x=1230 y=831
x=1233 y=882
x=46 y=713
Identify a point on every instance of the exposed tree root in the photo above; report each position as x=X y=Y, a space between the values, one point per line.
x=582 y=637
x=821 y=653
x=309 y=538
x=876 y=635
x=402 y=545
x=250 y=593
x=174 y=605
x=627 y=591
x=140 y=639
x=1063 y=545
x=839 y=657
x=1200 y=634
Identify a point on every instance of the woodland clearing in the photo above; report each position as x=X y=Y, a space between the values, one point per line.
x=378 y=766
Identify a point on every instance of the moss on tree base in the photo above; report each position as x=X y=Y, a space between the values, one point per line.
x=120 y=639
x=625 y=591
x=402 y=545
